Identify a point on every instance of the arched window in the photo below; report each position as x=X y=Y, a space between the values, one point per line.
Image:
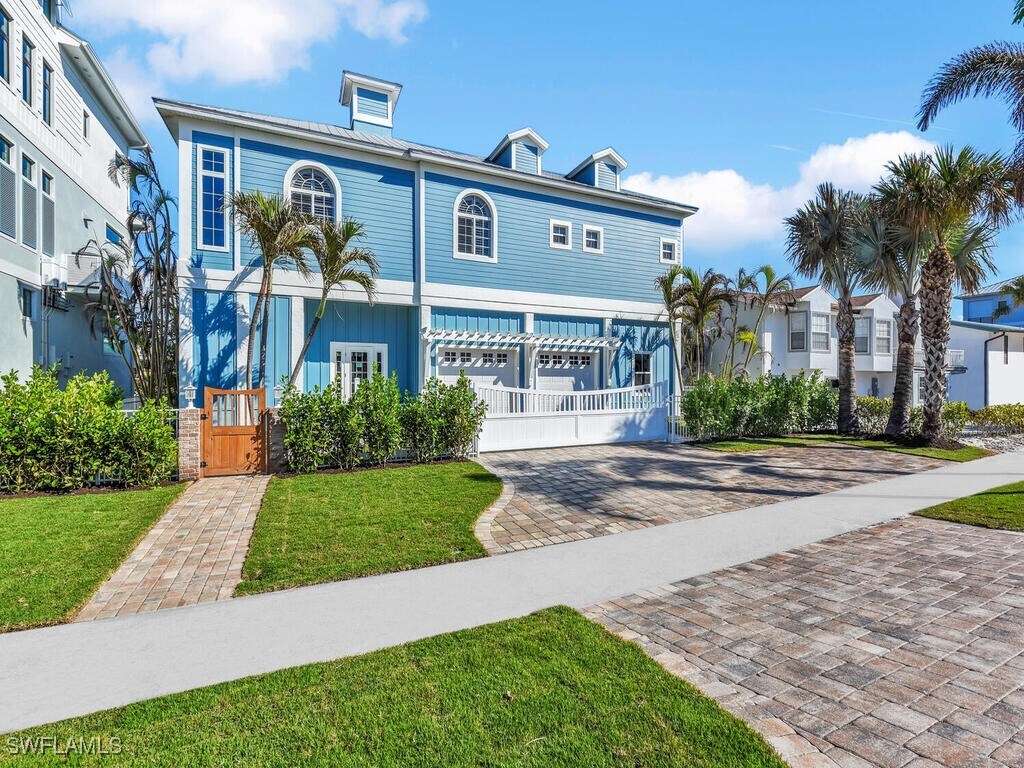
x=475 y=226
x=312 y=193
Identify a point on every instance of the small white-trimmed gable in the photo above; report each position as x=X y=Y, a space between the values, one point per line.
x=371 y=103
x=602 y=169
x=520 y=150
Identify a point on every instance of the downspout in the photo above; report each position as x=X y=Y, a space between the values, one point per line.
x=1001 y=335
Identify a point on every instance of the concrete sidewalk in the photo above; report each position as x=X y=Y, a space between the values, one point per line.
x=58 y=672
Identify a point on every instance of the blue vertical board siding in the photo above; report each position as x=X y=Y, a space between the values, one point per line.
x=372 y=103
x=607 y=175
x=556 y=325
x=278 y=341
x=980 y=310
x=505 y=157
x=640 y=336
x=484 y=321
x=201 y=258
x=346 y=321
x=587 y=176
x=214 y=339
x=527 y=157
x=378 y=196
x=626 y=270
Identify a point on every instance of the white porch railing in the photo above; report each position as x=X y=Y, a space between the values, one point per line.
x=506 y=401
x=954 y=358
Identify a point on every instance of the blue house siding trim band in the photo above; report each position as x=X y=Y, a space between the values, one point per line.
x=555 y=325
x=444 y=319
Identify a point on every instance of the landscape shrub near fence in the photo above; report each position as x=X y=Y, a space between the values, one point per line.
x=873 y=416
x=1000 y=419
x=376 y=425
x=716 y=407
x=54 y=439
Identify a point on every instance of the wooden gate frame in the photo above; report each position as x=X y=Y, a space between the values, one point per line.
x=255 y=431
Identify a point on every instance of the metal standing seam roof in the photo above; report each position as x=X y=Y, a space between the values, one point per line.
x=401 y=145
x=994 y=289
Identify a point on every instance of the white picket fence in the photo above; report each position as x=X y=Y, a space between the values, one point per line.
x=529 y=418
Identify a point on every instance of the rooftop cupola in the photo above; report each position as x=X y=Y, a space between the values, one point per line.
x=371 y=102
x=520 y=151
x=601 y=169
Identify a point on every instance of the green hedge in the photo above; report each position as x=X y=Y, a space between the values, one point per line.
x=873 y=416
x=321 y=430
x=766 y=406
x=1000 y=419
x=54 y=439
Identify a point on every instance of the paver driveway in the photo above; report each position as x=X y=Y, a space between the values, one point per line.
x=897 y=645
x=566 y=494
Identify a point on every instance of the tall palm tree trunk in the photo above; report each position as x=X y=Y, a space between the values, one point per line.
x=937 y=277
x=907 y=322
x=308 y=340
x=251 y=348
x=264 y=332
x=845 y=327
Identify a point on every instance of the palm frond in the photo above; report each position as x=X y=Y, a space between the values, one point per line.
x=995 y=69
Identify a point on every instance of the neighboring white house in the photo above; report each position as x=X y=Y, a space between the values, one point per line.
x=992 y=364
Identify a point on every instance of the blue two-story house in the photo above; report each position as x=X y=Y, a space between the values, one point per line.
x=523 y=277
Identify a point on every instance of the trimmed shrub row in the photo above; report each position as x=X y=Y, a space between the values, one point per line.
x=1000 y=419
x=322 y=430
x=766 y=406
x=54 y=439
x=873 y=416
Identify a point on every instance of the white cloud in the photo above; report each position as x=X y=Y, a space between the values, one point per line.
x=735 y=211
x=232 y=42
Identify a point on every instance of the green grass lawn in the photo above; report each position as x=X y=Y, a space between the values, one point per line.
x=1001 y=507
x=550 y=689
x=56 y=550
x=333 y=526
x=752 y=444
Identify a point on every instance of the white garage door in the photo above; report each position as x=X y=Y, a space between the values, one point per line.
x=566 y=372
x=486 y=367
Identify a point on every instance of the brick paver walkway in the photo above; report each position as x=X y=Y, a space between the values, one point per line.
x=897 y=645
x=192 y=555
x=566 y=494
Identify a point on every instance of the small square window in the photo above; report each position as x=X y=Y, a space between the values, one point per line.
x=47 y=184
x=450 y=357
x=593 y=239
x=487 y=358
x=6 y=150
x=557 y=360
x=543 y=359
x=669 y=250
x=561 y=234
x=465 y=358
x=503 y=358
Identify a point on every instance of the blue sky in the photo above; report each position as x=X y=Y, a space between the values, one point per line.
x=740 y=108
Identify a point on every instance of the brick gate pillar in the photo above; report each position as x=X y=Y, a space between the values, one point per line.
x=189 y=452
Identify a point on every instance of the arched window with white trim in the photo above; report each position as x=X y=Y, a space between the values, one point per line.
x=312 y=192
x=474 y=227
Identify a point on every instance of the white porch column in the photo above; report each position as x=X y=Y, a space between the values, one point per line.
x=297 y=332
x=426 y=346
x=609 y=355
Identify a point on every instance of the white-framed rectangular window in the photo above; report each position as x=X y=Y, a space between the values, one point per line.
x=487 y=358
x=543 y=359
x=465 y=358
x=821 y=332
x=862 y=335
x=557 y=360
x=593 y=240
x=669 y=250
x=450 y=357
x=8 y=190
x=6 y=152
x=27 y=69
x=641 y=369
x=561 y=234
x=213 y=185
x=27 y=300
x=883 y=337
x=502 y=358
x=48 y=217
x=47 y=93
x=29 y=203
x=5 y=45
x=797 y=331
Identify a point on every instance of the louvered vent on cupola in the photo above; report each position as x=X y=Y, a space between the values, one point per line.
x=602 y=169
x=371 y=103
x=520 y=150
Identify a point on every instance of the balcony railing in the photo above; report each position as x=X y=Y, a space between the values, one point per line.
x=954 y=358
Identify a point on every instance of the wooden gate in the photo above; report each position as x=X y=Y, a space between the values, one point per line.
x=233 y=432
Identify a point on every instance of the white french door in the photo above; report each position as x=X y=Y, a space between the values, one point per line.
x=355 y=363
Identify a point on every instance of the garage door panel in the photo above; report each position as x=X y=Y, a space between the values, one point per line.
x=562 y=372
x=484 y=367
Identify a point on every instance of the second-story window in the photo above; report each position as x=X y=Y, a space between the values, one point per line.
x=48 y=6
x=862 y=335
x=561 y=234
x=8 y=189
x=312 y=193
x=29 y=203
x=669 y=251
x=5 y=45
x=47 y=94
x=28 y=168
x=474 y=233
x=593 y=239
x=883 y=337
x=27 y=53
x=798 y=332
x=821 y=332
x=213 y=178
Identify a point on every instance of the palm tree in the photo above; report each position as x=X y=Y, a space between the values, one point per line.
x=1014 y=290
x=949 y=195
x=739 y=288
x=282 y=236
x=704 y=297
x=820 y=244
x=340 y=262
x=671 y=291
x=777 y=290
x=995 y=69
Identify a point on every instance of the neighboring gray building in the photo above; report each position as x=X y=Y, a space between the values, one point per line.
x=61 y=121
